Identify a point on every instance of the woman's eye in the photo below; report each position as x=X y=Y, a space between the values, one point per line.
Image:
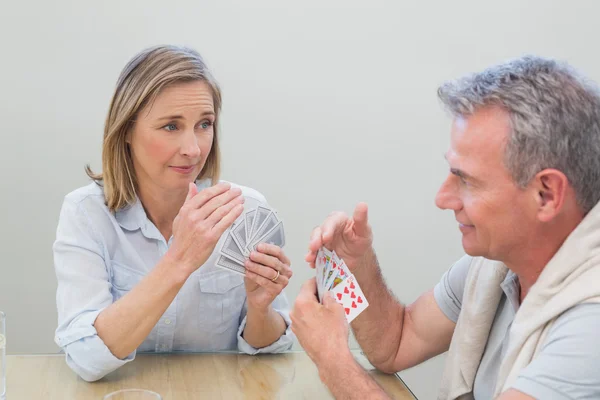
x=206 y=124
x=170 y=127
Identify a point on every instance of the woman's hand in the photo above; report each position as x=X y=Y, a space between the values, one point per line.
x=266 y=264
x=201 y=221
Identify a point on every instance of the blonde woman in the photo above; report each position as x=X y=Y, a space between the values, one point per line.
x=135 y=249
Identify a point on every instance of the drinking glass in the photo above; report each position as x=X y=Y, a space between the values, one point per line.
x=132 y=394
x=2 y=356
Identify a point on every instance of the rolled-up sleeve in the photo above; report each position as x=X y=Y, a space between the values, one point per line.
x=83 y=292
x=285 y=341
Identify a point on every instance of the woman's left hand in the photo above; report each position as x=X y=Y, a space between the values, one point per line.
x=266 y=264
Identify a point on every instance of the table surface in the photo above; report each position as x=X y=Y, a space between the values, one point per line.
x=186 y=376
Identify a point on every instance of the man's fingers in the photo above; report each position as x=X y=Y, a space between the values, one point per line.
x=333 y=226
x=361 y=220
x=330 y=303
x=309 y=289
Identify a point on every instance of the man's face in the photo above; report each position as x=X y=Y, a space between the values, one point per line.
x=494 y=215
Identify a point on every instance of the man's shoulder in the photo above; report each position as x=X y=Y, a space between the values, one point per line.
x=583 y=317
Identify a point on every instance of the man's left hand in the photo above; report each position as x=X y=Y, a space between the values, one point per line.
x=322 y=330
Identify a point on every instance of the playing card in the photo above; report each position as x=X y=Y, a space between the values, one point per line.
x=332 y=271
x=322 y=256
x=275 y=236
x=230 y=264
x=351 y=297
x=261 y=214
x=342 y=273
x=248 y=218
x=231 y=249
x=268 y=224
x=238 y=232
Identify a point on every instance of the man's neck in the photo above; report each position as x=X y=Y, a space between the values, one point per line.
x=530 y=260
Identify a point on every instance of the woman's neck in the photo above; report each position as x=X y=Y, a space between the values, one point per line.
x=161 y=206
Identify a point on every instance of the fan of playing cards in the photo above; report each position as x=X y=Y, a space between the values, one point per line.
x=259 y=225
x=334 y=275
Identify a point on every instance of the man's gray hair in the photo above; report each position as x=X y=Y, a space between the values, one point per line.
x=555 y=119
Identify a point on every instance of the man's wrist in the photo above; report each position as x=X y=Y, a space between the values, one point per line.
x=368 y=264
x=339 y=361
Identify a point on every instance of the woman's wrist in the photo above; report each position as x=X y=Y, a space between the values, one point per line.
x=259 y=311
x=178 y=268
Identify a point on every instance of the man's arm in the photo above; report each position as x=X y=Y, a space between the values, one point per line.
x=322 y=330
x=513 y=394
x=348 y=380
x=393 y=336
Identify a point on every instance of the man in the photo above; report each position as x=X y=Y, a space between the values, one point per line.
x=520 y=313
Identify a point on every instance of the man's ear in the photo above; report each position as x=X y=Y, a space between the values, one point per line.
x=551 y=188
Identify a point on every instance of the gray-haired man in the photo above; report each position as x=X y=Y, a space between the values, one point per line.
x=520 y=313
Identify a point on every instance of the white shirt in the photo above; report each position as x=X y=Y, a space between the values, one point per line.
x=99 y=256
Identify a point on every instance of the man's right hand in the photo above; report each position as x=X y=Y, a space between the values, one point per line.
x=350 y=237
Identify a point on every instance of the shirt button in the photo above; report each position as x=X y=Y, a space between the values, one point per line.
x=167 y=321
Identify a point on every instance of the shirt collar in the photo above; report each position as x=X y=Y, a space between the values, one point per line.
x=511 y=289
x=132 y=217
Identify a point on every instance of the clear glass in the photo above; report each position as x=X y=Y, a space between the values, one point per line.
x=133 y=394
x=2 y=356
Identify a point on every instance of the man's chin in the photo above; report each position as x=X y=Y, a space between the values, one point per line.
x=472 y=248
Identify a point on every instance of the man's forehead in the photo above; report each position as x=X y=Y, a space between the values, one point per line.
x=483 y=133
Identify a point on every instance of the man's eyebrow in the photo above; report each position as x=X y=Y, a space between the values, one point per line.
x=460 y=173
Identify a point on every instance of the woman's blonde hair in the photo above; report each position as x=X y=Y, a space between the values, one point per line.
x=139 y=84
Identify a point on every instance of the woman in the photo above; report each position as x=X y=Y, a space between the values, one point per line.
x=135 y=249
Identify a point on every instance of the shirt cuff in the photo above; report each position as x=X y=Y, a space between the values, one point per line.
x=282 y=344
x=86 y=354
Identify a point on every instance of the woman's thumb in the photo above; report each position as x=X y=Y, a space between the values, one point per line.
x=192 y=191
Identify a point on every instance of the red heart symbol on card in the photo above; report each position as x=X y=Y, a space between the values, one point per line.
x=346 y=291
x=359 y=299
x=347 y=311
x=339 y=295
x=354 y=305
x=352 y=296
x=352 y=285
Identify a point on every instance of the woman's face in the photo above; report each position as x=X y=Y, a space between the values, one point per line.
x=173 y=136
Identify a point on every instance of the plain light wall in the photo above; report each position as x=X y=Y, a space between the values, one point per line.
x=326 y=103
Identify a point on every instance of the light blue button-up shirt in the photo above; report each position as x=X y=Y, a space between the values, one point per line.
x=99 y=256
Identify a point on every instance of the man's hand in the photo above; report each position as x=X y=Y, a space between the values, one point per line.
x=321 y=329
x=350 y=237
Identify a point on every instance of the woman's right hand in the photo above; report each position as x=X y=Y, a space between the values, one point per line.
x=201 y=221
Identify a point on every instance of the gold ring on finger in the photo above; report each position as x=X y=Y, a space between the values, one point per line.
x=276 y=276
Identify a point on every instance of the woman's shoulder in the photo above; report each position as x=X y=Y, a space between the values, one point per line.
x=90 y=197
x=93 y=192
